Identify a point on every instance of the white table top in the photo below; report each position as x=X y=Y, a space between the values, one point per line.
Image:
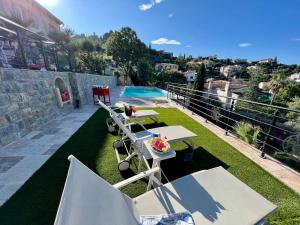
x=140 y=114
x=157 y=156
x=173 y=133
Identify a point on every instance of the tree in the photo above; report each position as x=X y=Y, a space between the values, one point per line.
x=294 y=117
x=91 y=62
x=126 y=48
x=276 y=85
x=61 y=37
x=200 y=78
x=181 y=61
x=288 y=92
x=242 y=72
x=105 y=36
x=252 y=92
x=145 y=72
x=65 y=43
x=87 y=46
x=169 y=76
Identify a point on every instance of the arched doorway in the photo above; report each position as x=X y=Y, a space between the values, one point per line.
x=61 y=91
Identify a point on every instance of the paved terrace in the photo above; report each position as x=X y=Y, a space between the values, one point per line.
x=20 y=159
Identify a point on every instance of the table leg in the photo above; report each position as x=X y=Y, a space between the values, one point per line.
x=190 y=143
x=155 y=163
x=154 y=118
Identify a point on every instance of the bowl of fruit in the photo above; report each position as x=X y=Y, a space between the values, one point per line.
x=159 y=145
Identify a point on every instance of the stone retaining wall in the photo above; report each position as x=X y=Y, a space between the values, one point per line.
x=85 y=82
x=28 y=100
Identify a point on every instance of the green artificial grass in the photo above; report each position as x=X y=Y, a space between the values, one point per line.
x=37 y=201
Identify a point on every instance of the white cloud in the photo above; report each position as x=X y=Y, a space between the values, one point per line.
x=188 y=46
x=165 y=41
x=245 y=45
x=147 y=6
x=48 y=2
x=171 y=15
x=295 y=39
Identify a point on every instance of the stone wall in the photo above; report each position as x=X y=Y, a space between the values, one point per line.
x=28 y=100
x=83 y=83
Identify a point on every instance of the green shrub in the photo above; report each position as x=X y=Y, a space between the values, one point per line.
x=288 y=159
x=247 y=132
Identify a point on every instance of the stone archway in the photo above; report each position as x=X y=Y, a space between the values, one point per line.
x=61 y=91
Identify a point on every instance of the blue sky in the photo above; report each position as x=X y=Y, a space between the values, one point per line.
x=251 y=29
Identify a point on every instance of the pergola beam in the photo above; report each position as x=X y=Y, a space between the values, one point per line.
x=19 y=31
x=20 y=27
x=8 y=30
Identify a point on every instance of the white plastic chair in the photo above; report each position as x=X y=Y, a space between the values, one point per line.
x=171 y=133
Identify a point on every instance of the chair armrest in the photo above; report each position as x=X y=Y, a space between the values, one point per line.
x=129 y=124
x=139 y=176
x=114 y=108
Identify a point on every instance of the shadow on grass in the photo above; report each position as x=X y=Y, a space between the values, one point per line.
x=202 y=160
x=36 y=202
x=127 y=173
x=155 y=125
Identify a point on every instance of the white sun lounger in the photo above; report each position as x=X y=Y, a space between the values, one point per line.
x=171 y=133
x=213 y=197
x=140 y=114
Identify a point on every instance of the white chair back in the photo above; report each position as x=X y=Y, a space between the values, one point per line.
x=125 y=129
x=107 y=108
x=88 y=199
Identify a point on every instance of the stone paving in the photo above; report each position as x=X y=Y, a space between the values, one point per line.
x=20 y=159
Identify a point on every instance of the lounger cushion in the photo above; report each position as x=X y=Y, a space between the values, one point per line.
x=213 y=197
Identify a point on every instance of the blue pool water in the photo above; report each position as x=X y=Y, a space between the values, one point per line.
x=143 y=92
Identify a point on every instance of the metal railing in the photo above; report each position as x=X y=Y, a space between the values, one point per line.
x=267 y=127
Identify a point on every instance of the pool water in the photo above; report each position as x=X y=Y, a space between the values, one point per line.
x=143 y=92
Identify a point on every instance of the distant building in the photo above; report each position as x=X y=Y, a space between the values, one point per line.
x=267 y=61
x=36 y=17
x=294 y=77
x=251 y=68
x=166 y=66
x=264 y=86
x=229 y=71
x=223 y=89
x=190 y=75
x=193 y=63
x=207 y=63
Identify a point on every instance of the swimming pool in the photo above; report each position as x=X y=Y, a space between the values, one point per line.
x=143 y=92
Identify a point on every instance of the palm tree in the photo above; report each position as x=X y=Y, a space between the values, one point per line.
x=276 y=84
